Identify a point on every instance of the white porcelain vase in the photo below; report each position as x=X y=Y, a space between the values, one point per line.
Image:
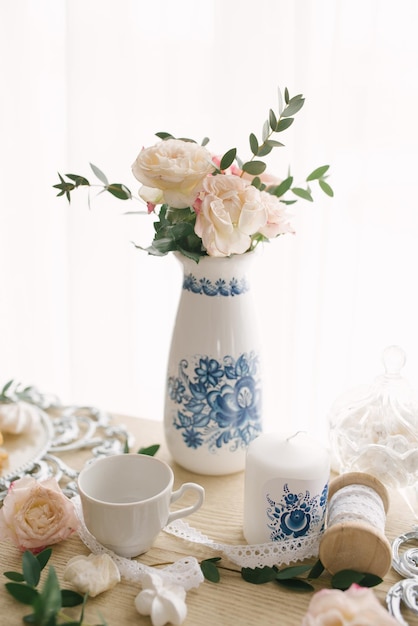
x=213 y=395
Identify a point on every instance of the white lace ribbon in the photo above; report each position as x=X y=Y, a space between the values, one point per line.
x=185 y=572
x=257 y=555
x=357 y=503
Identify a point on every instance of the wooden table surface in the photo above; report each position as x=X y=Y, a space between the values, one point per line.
x=232 y=601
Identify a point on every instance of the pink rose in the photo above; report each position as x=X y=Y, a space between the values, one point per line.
x=229 y=212
x=175 y=169
x=36 y=514
x=278 y=221
x=358 y=606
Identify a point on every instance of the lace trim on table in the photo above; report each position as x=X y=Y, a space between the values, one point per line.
x=260 y=555
x=185 y=572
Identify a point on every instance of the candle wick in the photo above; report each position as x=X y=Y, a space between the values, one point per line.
x=295 y=435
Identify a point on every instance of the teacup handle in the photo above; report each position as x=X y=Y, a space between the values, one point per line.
x=188 y=509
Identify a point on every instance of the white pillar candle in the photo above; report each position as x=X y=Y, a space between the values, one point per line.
x=286 y=486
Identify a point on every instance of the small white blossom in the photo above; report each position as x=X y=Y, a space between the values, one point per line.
x=164 y=602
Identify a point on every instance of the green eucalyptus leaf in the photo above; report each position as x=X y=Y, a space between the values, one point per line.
x=150 y=450
x=210 y=570
x=296 y=584
x=119 y=191
x=21 y=592
x=205 y=141
x=280 y=190
x=49 y=602
x=164 y=136
x=344 y=579
x=326 y=188
x=318 y=172
x=272 y=120
x=291 y=572
x=31 y=568
x=78 y=180
x=266 y=130
x=302 y=193
x=286 y=95
x=370 y=580
x=43 y=557
x=17 y=577
x=99 y=174
x=228 y=158
x=284 y=124
x=254 y=144
x=256 y=182
x=316 y=570
x=295 y=104
x=274 y=144
x=258 y=575
x=7 y=385
x=265 y=149
x=254 y=167
x=186 y=139
x=71 y=598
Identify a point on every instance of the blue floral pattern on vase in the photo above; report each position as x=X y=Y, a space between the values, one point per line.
x=219 y=403
x=204 y=286
x=295 y=514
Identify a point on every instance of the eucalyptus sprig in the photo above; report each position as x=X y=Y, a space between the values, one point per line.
x=176 y=227
x=291 y=577
x=48 y=602
x=13 y=391
x=277 y=123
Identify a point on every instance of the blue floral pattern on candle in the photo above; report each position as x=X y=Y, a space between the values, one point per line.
x=296 y=514
x=219 y=403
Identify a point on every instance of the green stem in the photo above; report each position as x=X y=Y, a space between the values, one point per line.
x=263 y=144
x=68 y=619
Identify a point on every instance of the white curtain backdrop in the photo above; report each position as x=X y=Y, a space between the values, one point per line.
x=85 y=315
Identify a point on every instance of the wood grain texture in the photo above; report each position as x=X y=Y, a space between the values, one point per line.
x=230 y=602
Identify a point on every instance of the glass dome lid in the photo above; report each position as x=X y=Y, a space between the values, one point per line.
x=374 y=428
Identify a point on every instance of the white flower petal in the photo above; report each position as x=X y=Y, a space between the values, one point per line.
x=144 y=600
x=164 y=602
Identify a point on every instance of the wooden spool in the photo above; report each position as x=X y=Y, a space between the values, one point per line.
x=356 y=545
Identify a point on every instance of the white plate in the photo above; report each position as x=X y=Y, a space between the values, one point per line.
x=27 y=448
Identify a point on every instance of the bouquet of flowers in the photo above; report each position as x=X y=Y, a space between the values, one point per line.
x=207 y=204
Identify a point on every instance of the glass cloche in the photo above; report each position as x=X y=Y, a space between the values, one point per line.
x=374 y=429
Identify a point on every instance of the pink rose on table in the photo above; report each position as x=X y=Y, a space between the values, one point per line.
x=177 y=168
x=229 y=212
x=36 y=514
x=357 y=606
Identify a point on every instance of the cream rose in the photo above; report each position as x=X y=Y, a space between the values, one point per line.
x=230 y=211
x=357 y=606
x=36 y=514
x=278 y=221
x=177 y=168
x=92 y=574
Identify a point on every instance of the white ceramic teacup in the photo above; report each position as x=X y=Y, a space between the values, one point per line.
x=126 y=501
